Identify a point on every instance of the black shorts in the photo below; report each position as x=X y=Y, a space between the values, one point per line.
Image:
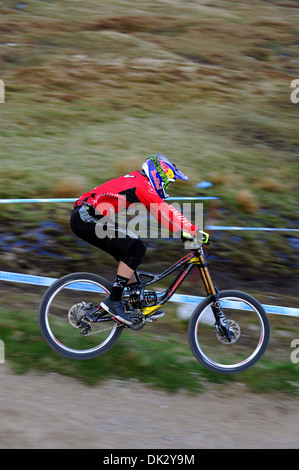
x=108 y=236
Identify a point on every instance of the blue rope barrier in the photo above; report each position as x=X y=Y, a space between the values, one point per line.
x=178 y=298
x=72 y=200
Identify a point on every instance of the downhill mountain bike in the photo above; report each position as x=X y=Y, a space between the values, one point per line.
x=228 y=330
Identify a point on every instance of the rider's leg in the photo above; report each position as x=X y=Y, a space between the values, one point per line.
x=125 y=273
x=123 y=276
x=128 y=249
x=132 y=280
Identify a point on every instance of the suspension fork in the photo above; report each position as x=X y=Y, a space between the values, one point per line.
x=220 y=320
x=204 y=272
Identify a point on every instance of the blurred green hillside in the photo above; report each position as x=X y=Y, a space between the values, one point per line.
x=92 y=88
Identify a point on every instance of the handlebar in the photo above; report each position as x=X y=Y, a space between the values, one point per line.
x=201 y=238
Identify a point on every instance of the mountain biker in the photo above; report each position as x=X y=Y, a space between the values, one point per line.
x=94 y=209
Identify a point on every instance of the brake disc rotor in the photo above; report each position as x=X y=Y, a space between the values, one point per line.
x=234 y=328
x=75 y=314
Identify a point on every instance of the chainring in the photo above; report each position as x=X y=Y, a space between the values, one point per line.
x=138 y=320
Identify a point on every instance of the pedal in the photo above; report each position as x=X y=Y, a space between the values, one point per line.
x=155 y=316
x=151 y=320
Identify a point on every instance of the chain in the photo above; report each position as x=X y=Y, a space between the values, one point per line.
x=100 y=331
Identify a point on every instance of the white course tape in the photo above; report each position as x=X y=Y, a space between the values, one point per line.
x=268 y=229
x=63 y=199
x=44 y=281
x=186 y=198
x=178 y=298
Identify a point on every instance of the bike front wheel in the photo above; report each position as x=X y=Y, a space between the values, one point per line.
x=248 y=321
x=63 y=321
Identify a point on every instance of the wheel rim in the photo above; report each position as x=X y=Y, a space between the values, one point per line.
x=249 y=326
x=63 y=332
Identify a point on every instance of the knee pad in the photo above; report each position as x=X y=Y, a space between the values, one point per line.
x=135 y=255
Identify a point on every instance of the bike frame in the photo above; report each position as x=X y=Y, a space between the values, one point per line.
x=185 y=264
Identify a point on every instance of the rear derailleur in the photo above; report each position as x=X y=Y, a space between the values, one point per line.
x=82 y=315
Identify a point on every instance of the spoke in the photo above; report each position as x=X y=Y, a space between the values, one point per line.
x=246 y=326
x=69 y=315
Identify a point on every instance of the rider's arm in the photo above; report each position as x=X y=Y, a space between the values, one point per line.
x=167 y=216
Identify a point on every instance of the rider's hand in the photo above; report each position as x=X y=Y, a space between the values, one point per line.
x=187 y=237
x=200 y=238
x=205 y=237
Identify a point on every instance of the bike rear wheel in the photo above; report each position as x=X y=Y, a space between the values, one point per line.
x=245 y=317
x=62 y=318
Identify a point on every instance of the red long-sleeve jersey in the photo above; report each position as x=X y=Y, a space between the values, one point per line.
x=119 y=193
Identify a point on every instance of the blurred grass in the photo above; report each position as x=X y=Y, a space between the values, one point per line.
x=90 y=86
x=158 y=356
x=92 y=89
